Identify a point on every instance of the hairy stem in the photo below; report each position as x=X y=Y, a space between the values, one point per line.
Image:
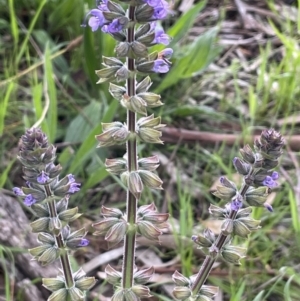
x=210 y=259
x=131 y=206
x=64 y=258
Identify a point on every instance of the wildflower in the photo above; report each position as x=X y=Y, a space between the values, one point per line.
x=270 y=181
x=161 y=10
x=84 y=242
x=236 y=204
x=103 y=6
x=42 y=178
x=113 y=27
x=160 y=66
x=166 y=54
x=153 y=3
x=18 y=191
x=29 y=200
x=74 y=187
x=161 y=37
x=97 y=20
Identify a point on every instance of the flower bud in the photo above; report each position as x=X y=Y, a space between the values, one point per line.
x=150 y=163
x=53 y=284
x=204 y=240
x=150 y=179
x=143 y=276
x=111 y=212
x=225 y=193
x=147 y=39
x=59 y=295
x=117 y=232
x=134 y=182
x=139 y=49
x=152 y=100
x=129 y=295
x=241 y=167
x=142 y=30
x=75 y=293
x=181 y=292
x=122 y=74
x=227 y=227
x=118 y=295
x=116 y=8
x=248 y=154
x=45 y=254
x=148 y=230
x=117 y=91
x=82 y=282
x=69 y=215
x=110 y=16
x=209 y=291
x=103 y=226
x=40 y=225
x=113 y=133
x=111 y=62
x=113 y=276
x=144 y=13
x=141 y=291
x=135 y=104
x=122 y=49
x=143 y=85
x=46 y=238
x=116 y=166
x=257 y=196
x=145 y=67
x=244 y=212
x=149 y=135
x=180 y=280
x=216 y=211
x=233 y=254
x=107 y=72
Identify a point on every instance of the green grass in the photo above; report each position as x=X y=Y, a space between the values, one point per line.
x=46 y=81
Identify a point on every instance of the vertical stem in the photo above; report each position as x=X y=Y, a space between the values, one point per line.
x=131 y=208
x=64 y=258
x=210 y=259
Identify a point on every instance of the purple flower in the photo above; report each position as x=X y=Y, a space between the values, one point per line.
x=97 y=20
x=268 y=207
x=114 y=26
x=236 y=204
x=18 y=191
x=74 y=187
x=161 y=37
x=152 y=3
x=275 y=175
x=160 y=66
x=166 y=53
x=103 y=6
x=42 y=178
x=270 y=181
x=84 y=242
x=160 y=10
x=29 y=200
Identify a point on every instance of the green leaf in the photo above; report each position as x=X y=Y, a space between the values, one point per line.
x=51 y=96
x=195 y=59
x=184 y=23
x=89 y=144
x=3 y=105
x=286 y=291
x=81 y=126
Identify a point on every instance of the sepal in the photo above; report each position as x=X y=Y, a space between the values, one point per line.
x=233 y=254
x=113 y=276
x=180 y=280
x=182 y=292
x=143 y=276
